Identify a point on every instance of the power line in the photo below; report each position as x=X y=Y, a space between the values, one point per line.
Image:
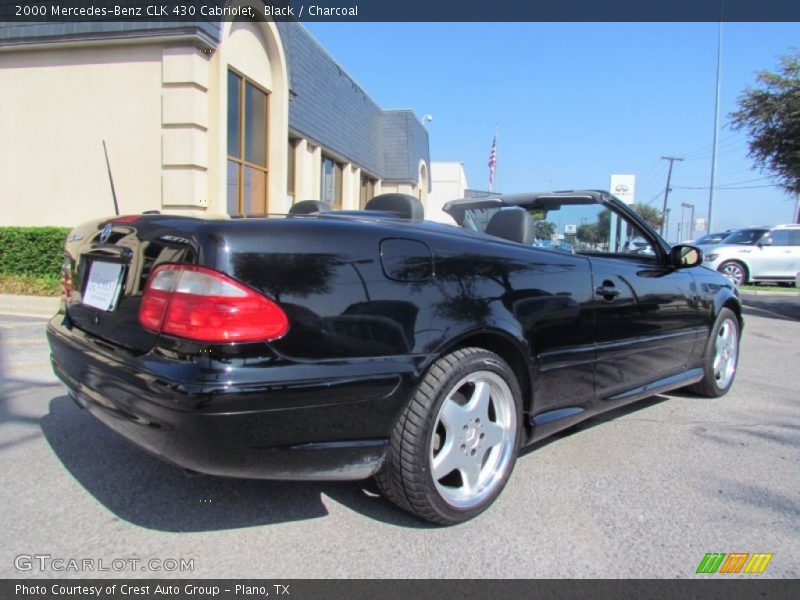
x=734 y=140
x=717 y=187
x=654 y=198
x=730 y=183
x=728 y=145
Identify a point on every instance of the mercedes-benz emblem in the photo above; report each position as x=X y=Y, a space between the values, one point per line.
x=105 y=233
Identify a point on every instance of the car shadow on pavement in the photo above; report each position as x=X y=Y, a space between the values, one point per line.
x=148 y=492
x=781 y=311
x=611 y=415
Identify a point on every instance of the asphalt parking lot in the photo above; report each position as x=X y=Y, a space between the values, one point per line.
x=643 y=492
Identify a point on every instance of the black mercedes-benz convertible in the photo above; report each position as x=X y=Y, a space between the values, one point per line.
x=348 y=344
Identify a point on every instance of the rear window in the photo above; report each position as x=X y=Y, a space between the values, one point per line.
x=779 y=237
x=783 y=237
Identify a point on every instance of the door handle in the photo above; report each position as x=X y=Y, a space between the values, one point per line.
x=607 y=291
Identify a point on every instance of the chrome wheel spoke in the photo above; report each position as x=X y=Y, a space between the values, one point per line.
x=471 y=474
x=493 y=435
x=453 y=416
x=446 y=461
x=719 y=371
x=478 y=405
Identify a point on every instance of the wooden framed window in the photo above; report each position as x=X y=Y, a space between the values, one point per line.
x=331 y=182
x=248 y=107
x=367 y=190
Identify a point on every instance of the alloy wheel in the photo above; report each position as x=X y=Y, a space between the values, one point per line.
x=726 y=354
x=734 y=272
x=473 y=439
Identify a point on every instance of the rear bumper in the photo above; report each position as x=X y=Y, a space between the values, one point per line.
x=324 y=421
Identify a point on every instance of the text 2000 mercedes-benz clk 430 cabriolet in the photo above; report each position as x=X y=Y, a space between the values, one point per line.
x=346 y=344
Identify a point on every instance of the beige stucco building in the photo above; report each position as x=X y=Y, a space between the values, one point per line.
x=448 y=182
x=239 y=118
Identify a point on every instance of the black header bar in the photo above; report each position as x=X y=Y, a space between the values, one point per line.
x=22 y=11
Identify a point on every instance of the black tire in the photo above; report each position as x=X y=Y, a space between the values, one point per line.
x=735 y=271
x=712 y=385
x=427 y=430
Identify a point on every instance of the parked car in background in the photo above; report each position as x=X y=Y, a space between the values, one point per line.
x=341 y=345
x=710 y=239
x=554 y=245
x=758 y=255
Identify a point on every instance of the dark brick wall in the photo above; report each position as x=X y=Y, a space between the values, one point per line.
x=327 y=105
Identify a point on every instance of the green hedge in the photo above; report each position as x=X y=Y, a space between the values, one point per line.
x=36 y=251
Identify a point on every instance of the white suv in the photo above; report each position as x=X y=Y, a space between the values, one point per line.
x=757 y=254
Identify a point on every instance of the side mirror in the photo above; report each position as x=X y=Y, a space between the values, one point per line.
x=683 y=256
x=767 y=241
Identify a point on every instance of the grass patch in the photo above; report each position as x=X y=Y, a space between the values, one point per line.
x=29 y=285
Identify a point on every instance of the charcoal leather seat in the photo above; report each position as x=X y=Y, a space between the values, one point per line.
x=513 y=224
x=307 y=207
x=404 y=206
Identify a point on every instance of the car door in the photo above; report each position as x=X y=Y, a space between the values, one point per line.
x=774 y=256
x=794 y=239
x=647 y=320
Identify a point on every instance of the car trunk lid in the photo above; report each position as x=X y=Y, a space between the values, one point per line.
x=108 y=263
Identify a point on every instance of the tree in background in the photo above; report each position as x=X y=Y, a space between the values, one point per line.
x=544 y=230
x=596 y=234
x=650 y=214
x=770 y=113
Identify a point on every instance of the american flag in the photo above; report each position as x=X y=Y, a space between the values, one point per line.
x=492 y=162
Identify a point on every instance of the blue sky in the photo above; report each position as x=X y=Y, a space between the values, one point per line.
x=576 y=102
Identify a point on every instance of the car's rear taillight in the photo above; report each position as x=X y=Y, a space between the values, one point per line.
x=201 y=304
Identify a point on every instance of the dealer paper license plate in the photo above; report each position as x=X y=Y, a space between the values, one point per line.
x=103 y=286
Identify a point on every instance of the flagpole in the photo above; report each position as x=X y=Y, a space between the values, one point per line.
x=496 y=127
x=493 y=160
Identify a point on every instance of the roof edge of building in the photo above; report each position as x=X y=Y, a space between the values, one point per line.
x=184 y=33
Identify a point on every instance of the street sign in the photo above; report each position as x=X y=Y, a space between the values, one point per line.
x=570 y=229
x=700 y=224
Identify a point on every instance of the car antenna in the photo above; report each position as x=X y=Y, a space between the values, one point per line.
x=111 y=180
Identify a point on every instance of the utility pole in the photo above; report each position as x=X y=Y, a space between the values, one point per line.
x=671 y=160
x=714 y=146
